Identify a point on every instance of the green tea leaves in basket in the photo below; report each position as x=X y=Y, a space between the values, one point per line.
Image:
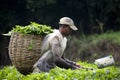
x=33 y=28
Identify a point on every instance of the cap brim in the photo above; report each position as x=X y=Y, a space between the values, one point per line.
x=74 y=28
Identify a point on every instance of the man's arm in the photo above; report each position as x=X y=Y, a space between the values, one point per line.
x=57 y=54
x=71 y=62
x=67 y=60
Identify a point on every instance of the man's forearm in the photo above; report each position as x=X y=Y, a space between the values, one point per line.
x=64 y=64
x=67 y=60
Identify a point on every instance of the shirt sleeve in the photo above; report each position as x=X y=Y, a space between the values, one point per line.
x=57 y=54
x=67 y=60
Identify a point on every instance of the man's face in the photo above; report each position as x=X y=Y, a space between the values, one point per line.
x=66 y=30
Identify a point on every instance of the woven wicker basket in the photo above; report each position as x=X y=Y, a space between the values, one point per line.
x=24 y=51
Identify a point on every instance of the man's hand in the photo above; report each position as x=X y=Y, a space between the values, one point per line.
x=77 y=66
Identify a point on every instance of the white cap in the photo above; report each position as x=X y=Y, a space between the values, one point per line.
x=68 y=21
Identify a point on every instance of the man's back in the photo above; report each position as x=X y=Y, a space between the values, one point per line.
x=47 y=61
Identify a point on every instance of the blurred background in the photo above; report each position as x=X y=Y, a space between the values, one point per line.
x=90 y=16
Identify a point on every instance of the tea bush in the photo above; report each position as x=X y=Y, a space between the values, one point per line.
x=108 y=73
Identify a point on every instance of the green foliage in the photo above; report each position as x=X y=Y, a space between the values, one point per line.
x=10 y=73
x=108 y=73
x=30 y=47
x=94 y=39
x=33 y=28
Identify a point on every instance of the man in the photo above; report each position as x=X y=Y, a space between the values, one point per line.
x=53 y=48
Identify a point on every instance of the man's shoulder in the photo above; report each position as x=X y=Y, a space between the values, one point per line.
x=55 y=33
x=51 y=36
